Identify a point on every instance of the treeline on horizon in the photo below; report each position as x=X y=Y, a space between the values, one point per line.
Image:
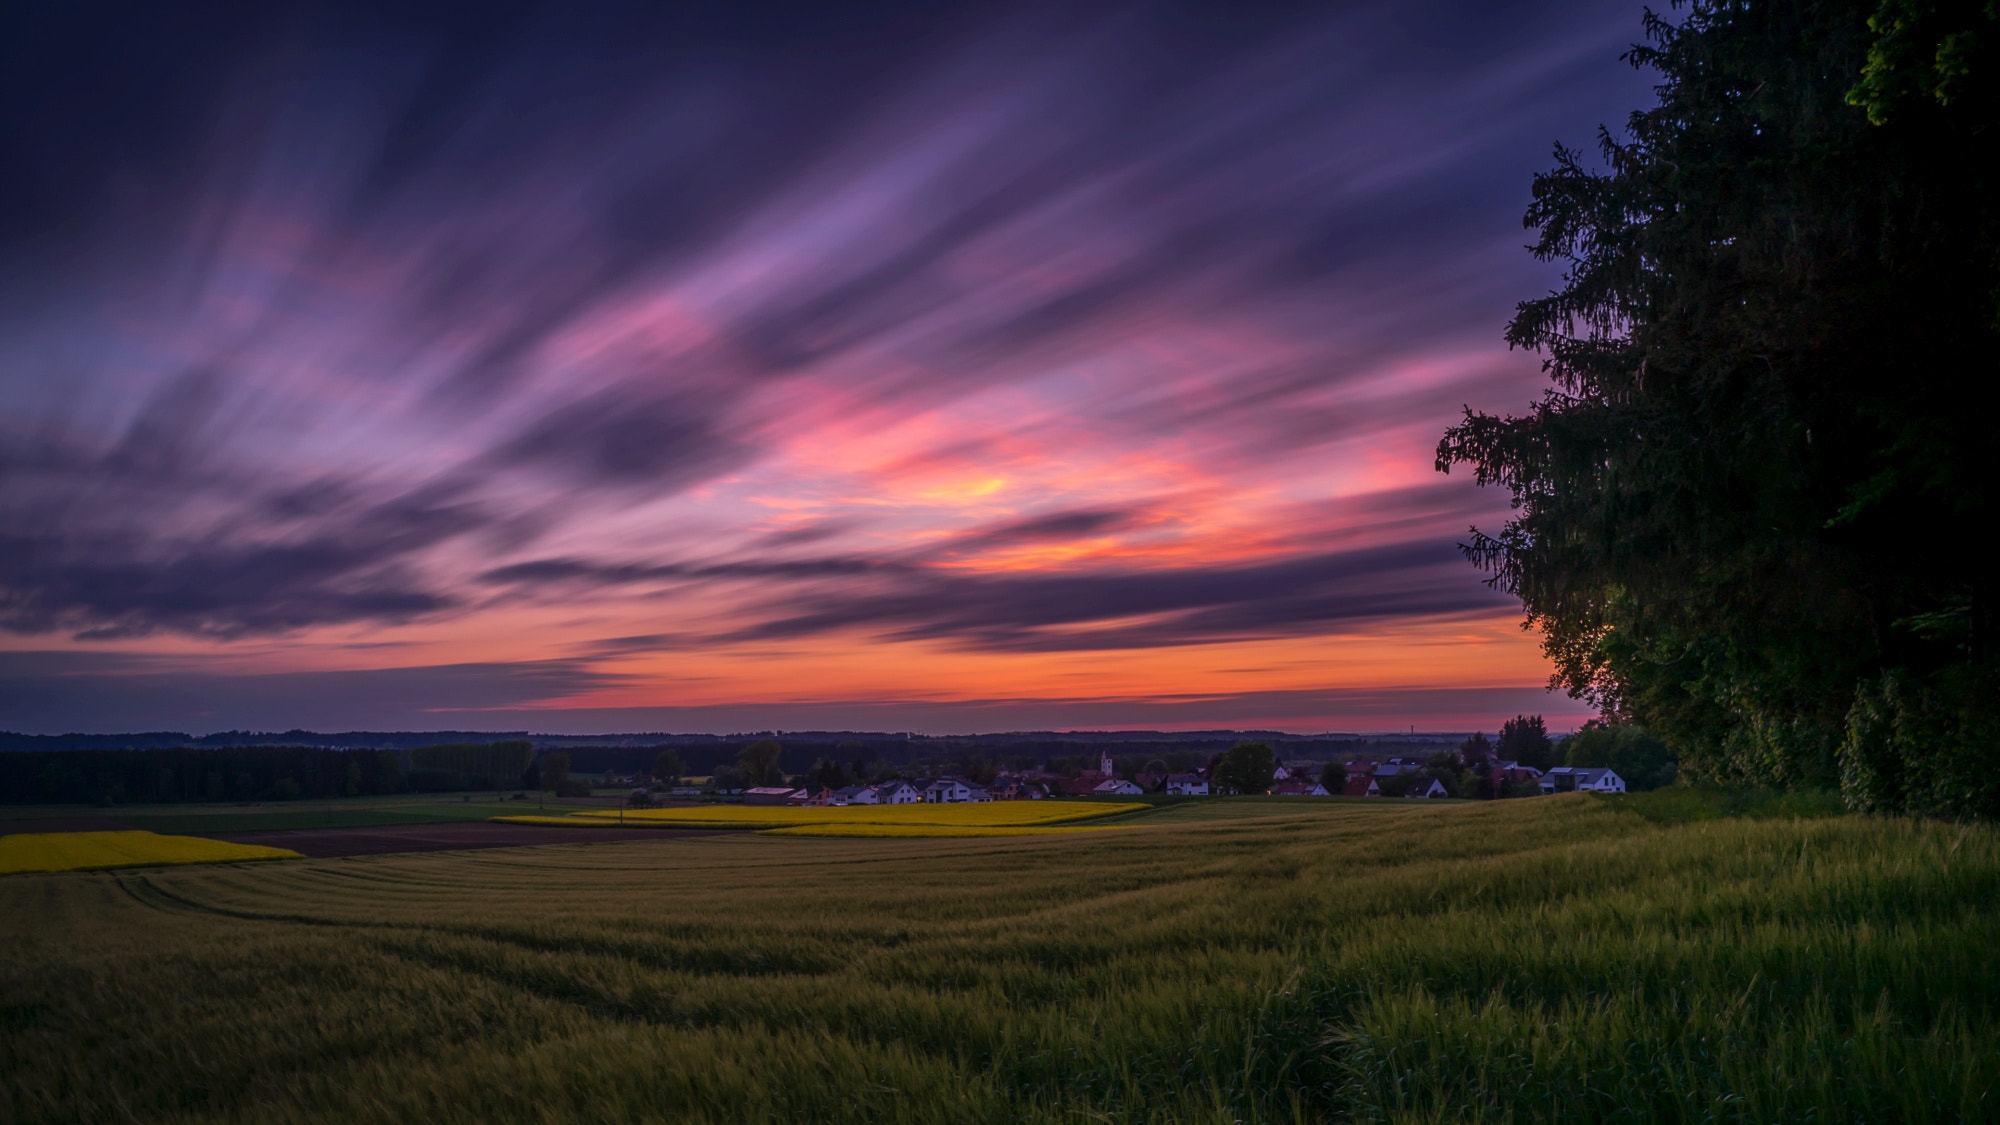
x=193 y=774
x=258 y=773
x=1746 y=511
x=407 y=740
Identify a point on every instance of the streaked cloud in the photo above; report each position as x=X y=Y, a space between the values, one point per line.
x=514 y=340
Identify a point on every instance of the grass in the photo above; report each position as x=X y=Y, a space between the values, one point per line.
x=1682 y=805
x=341 y=812
x=78 y=851
x=1559 y=959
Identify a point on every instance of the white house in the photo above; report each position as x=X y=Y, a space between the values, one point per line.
x=1434 y=789
x=896 y=793
x=1582 y=778
x=1115 y=787
x=1187 y=785
x=978 y=793
x=854 y=795
x=947 y=791
x=1299 y=787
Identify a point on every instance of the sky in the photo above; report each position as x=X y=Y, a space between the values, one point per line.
x=583 y=368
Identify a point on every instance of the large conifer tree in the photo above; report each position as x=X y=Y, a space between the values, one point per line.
x=1747 y=512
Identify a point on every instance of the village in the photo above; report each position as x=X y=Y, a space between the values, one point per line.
x=1471 y=773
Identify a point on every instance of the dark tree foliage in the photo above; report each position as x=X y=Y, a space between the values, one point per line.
x=1525 y=739
x=469 y=765
x=1744 y=512
x=759 y=763
x=185 y=774
x=1248 y=767
x=826 y=773
x=1636 y=754
x=1449 y=770
x=1931 y=50
x=1333 y=776
x=667 y=767
x=555 y=771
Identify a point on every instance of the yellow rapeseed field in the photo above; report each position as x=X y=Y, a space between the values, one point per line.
x=983 y=814
x=74 y=851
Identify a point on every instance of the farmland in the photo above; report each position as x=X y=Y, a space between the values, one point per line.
x=1570 y=958
x=963 y=819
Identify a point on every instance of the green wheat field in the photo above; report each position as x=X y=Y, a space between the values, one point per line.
x=1667 y=957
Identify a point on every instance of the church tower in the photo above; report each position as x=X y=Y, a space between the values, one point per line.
x=1104 y=765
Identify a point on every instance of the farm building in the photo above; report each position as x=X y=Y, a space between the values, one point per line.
x=768 y=795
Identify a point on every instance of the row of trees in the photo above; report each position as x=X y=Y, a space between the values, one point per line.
x=1745 y=511
x=260 y=773
x=471 y=765
x=275 y=773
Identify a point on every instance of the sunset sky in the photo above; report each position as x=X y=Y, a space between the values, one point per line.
x=722 y=368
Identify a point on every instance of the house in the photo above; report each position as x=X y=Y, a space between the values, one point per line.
x=1015 y=790
x=1086 y=782
x=1116 y=788
x=1586 y=779
x=978 y=793
x=1187 y=785
x=1299 y=787
x=896 y=793
x=947 y=791
x=1361 y=785
x=1431 y=791
x=811 y=796
x=1505 y=774
x=854 y=795
x=768 y=795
